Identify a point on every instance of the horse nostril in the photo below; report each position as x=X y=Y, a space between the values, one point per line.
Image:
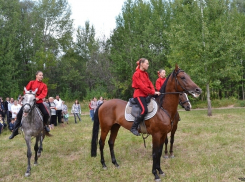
x=198 y=90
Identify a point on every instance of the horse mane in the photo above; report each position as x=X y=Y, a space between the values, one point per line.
x=163 y=90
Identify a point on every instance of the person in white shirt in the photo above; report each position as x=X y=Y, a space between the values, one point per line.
x=58 y=105
x=11 y=102
x=15 y=109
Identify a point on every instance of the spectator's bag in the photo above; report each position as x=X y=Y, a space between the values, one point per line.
x=66 y=115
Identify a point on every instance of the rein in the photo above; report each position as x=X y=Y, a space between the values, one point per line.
x=181 y=103
x=172 y=93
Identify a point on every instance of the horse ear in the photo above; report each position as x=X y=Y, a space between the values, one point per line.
x=25 y=90
x=36 y=91
x=176 y=67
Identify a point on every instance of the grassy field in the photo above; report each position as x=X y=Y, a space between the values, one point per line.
x=206 y=149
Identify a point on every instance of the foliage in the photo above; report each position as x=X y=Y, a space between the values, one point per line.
x=206 y=39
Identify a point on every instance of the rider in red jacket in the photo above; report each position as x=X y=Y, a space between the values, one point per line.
x=160 y=81
x=142 y=88
x=40 y=95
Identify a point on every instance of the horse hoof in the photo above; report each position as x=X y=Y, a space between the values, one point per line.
x=117 y=167
x=27 y=174
x=35 y=164
x=105 y=168
x=165 y=157
x=38 y=154
x=157 y=180
x=172 y=156
x=163 y=174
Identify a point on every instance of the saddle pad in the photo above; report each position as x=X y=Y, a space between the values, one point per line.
x=130 y=117
x=39 y=113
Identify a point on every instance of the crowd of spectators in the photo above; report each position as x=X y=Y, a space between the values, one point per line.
x=9 y=108
x=59 y=111
x=94 y=103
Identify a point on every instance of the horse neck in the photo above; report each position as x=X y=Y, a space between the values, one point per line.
x=171 y=101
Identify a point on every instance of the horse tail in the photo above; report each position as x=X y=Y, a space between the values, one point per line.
x=95 y=133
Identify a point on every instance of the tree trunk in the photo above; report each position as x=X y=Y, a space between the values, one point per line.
x=242 y=89
x=209 y=101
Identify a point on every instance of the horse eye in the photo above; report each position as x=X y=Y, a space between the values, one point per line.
x=183 y=78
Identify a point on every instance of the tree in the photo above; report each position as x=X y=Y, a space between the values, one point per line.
x=140 y=32
x=205 y=40
x=9 y=47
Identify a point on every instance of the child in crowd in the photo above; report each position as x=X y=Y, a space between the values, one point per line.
x=53 y=118
x=11 y=124
x=65 y=112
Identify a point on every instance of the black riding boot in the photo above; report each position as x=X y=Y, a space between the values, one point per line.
x=17 y=123
x=45 y=123
x=15 y=130
x=134 y=128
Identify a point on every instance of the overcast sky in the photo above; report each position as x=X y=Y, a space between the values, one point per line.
x=100 y=13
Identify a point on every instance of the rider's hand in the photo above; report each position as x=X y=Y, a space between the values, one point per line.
x=157 y=93
x=37 y=98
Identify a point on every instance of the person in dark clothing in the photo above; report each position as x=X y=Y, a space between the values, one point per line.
x=6 y=102
x=2 y=109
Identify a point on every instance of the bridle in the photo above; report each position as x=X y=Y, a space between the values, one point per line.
x=176 y=82
x=182 y=103
x=31 y=106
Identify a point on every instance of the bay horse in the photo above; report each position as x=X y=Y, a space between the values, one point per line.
x=110 y=116
x=185 y=103
x=32 y=125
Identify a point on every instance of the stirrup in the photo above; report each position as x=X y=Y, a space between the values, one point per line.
x=46 y=128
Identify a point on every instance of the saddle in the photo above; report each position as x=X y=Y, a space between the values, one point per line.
x=135 y=110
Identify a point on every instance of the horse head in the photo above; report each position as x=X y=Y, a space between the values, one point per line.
x=184 y=101
x=184 y=83
x=29 y=101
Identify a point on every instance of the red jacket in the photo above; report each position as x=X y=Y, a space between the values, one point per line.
x=160 y=81
x=142 y=84
x=42 y=89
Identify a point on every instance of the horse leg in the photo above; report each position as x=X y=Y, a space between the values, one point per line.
x=102 y=144
x=40 y=149
x=29 y=154
x=111 y=141
x=36 y=149
x=160 y=154
x=166 y=148
x=156 y=154
x=172 y=140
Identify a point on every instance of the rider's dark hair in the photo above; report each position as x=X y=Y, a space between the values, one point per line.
x=38 y=72
x=142 y=60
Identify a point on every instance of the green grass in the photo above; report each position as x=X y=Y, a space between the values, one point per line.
x=205 y=148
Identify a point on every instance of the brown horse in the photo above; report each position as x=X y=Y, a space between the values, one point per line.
x=185 y=103
x=110 y=116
